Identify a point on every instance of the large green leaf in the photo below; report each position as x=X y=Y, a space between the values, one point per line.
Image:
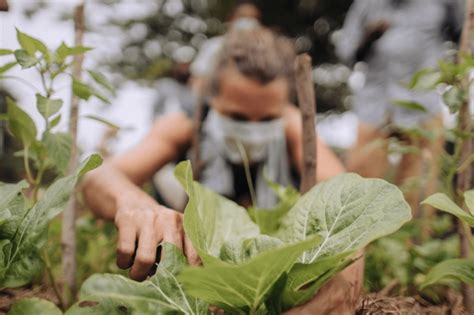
x=444 y=203
x=8 y=192
x=20 y=124
x=161 y=294
x=34 y=306
x=47 y=106
x=304 y=280
x=469 y=200
x=246 y=285
x=239 y=251
x=211 y=220
x=348 y=211
x=460 y=269
x=22 y=262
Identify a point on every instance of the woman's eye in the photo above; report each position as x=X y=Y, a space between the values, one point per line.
x=238 y=117
x=268 y=118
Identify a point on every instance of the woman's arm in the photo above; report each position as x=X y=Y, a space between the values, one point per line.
x=328 y=163
x=112 y=192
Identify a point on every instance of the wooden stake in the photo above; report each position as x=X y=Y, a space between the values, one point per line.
x=70 y=214
x=465 y=124
x=307 y=103
x=3 y=5
x=196 y=161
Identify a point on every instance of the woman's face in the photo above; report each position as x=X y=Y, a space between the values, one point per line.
x=245 y=99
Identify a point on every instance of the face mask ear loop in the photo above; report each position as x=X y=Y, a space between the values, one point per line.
x=248 y=175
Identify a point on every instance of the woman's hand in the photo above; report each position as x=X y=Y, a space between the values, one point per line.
x=142 y=226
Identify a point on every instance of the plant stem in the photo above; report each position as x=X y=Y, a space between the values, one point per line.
x=26 y=164
x=52 y=279
x=37 y=181
x=248 y=175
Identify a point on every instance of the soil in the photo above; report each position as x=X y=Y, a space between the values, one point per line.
x=375 y=304
x=372 y=304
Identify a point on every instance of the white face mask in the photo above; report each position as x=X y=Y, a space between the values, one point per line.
x=252 y=138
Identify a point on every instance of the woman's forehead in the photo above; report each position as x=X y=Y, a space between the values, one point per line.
x=238 y=93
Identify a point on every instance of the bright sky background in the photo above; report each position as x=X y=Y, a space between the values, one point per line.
x=131 y=107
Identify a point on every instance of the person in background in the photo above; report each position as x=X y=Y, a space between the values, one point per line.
x=249 y=117
x=396 y=38
x=245 y=15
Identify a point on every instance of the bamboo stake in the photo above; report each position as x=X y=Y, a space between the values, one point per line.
x=465 y=124
x=70 y=214
x=307 y=102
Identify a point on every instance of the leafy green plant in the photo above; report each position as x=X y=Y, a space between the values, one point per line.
x=27 y=207
x=455 y=78
x=246 y=271
x=460 y=269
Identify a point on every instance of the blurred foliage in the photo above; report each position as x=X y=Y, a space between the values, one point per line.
x=96 y=244
x=399 y=262
x=10 y=166
x=174 y=30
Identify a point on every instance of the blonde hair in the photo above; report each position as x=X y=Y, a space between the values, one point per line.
x=258 y=53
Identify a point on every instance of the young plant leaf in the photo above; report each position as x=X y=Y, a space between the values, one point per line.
x=414 y=106
x=64 y=51
x=55 y=121
x=460 y=269
x=106 y=122
x=81 y=90
x=20 y=124
x=454 y=98
x=7 y=66
x=100 y=79
x=24 y=59
x=30 y=44
x=442 y=202
x=425 y=79
x=4 y=52
x=246 y=285
x=34 y=306
x=469 y=200
x=161 y=294
x=224 y=220
x=58 y=147
x=48 y=107
x=348 y=211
